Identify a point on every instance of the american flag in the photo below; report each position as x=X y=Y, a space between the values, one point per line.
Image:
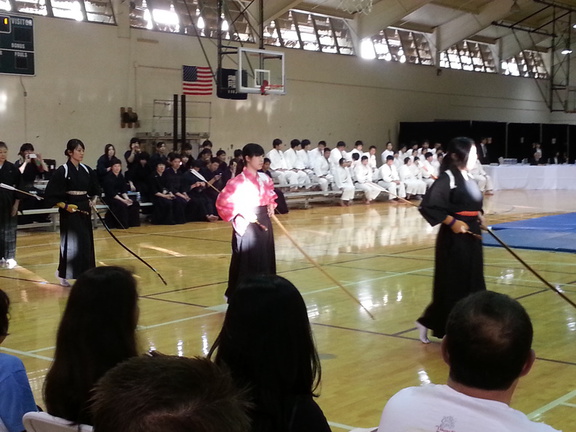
x=196 y=80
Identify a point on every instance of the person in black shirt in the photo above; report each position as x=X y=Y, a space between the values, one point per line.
x=123 y=212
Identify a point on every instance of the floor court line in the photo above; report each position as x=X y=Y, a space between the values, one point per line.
x=25 y=353
x=176 y=321
x=42 y=349
x=560 y=401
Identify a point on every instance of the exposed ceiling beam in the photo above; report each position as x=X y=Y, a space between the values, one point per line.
x=467 y=25
x=325 y=11
x=513 y=43
x=384 y=14
x=272 y=9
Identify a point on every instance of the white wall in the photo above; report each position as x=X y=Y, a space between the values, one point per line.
x=86 y=72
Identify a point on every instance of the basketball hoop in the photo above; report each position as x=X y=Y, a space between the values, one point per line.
x=266 y=87
x=356 y=6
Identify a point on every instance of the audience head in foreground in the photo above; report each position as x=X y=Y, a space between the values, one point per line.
x=16 y=397
x=168 y=393
x=266 y=341
x=97 y=331
x=488 y=349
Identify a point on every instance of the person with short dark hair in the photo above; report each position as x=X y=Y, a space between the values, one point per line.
x=279 y=166
x=97 y=331
x=455 y=202
x=317 y=153
x=162 y=198
x=159 y=155
x=9 y=202
x=267 y=342
x=323 y=172
x=122 y=211
x=202 y=205
x=282 y=207
x=488 y=347
x=388 y=151
x=390 y=180
x=363 y=175
x=296 y=164
x=32 y=167
x=131 y=154
x=140 y=175
x=16 y=398
x=343 y=181
x=248 y=201
x=70 y=189
x=174 y=184
x=169 y=394
x=30 y=164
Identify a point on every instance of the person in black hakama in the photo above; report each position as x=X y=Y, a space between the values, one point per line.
x=123 y=212
x=9 y=202
x=162 y=198
x=455 y=202
x=70 y=189
x=248 y=201
x=174 y=185
x=202 y=206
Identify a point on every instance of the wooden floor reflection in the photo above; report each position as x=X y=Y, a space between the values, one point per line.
x=382 y=253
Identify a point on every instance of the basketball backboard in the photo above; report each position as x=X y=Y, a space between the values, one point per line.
x=260 y=71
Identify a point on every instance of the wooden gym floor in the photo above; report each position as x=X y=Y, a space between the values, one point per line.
x=382 y=253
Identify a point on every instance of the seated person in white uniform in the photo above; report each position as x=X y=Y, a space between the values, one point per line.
x=429 y=170
x=336 y=154
x=415 y=187
x=317 y=153
x=488 y=348
x=295 y=164
x=343 y=182
x=388 y=152
x=484 y=181
x=322 y=171
x=358 y=148
x=304 y=156
x=363 y=176
x=391 y=180
x=278 y=167
x=372 y=163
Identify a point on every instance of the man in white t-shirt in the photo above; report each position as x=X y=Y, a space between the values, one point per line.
x=488 y=349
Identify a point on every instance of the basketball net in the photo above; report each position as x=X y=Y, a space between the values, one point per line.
x=356 y=6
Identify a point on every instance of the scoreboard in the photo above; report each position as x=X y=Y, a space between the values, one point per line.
x=16 y=45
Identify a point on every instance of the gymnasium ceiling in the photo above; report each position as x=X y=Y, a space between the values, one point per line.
x=451 y=21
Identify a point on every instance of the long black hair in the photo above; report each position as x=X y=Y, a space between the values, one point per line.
x=4 y=315
x=457 y=154
x=266 y=341
x=97 y=331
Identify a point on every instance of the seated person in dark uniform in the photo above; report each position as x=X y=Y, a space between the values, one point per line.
x=123 y=212
x=174 y=185
x=536 y=159
x=159 y=155
x=162 y=198
x=202 y=206
x=282 y=207
x=130 y=156
x=140 y=176
x=221 y=155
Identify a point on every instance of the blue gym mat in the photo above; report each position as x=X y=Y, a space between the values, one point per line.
x=553 y=233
